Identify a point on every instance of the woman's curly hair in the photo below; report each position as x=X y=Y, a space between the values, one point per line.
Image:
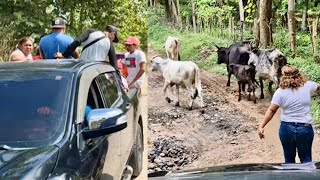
x=291 y=78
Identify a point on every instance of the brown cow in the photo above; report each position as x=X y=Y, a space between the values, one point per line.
x=172 y=47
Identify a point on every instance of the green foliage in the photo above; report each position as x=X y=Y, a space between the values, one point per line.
x=250 y=9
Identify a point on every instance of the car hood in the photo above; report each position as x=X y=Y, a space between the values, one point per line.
x=28 y=164
x=245 y=171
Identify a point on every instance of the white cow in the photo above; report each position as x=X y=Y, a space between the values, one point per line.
x=268 y=65
x=180 y=73
x=172 y=47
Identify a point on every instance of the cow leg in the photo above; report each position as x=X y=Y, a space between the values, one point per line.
x=270 y=87
x=261 y=87
x=177 y=96
x=191 y=103
x=168 y=55
x=166 y=84
x=239 y=85
x=191 y=95
x=229 y=76
x=200 y=97
x=244 y=87
x=253 y=94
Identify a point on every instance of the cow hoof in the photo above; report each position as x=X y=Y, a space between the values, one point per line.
x=202 y=111
x=177 y=104
x=239 y=99
x=228 y=84
x=261 y=97
x=190 y=108
x=254 y=101
x=168 y=100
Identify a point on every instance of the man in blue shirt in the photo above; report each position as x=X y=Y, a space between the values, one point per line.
x=56 y=41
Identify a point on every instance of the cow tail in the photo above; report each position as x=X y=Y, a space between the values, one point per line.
x=178 y=56
x=197 y=82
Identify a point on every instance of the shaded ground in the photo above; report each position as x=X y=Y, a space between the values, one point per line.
x=225 y=134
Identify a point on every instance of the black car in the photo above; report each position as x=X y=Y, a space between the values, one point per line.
x=304 y=171
x=64 y=119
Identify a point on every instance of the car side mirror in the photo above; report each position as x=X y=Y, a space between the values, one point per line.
x=102 y=122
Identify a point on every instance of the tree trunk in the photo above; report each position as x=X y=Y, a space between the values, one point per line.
x=233 y=29
x=194 y=16
x=265 y=25
x=174 y=12
x=241 y=20
x=313 y=33
x=179 y=14
x=304 y=16
x=292 y=27
x=187 y=23
x=256 y=27
x=168 y=10
x=230 y=27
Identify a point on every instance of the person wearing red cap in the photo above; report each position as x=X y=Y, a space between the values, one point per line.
x=134 y=61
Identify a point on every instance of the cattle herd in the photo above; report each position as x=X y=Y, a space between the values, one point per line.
x=243 y=61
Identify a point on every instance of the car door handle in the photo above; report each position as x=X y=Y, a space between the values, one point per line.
x=128 y=105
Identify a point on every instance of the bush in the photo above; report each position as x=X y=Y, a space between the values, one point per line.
x=7 y=43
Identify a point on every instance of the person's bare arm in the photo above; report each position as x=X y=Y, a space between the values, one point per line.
x=140 y=73
x=267 y=118
x=16 y=57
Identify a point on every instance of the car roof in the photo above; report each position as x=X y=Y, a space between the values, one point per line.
x=68 y=65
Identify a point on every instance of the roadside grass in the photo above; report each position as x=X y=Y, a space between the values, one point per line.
x=200 y=48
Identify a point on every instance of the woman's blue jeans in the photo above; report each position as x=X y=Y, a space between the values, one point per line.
x=296 y=136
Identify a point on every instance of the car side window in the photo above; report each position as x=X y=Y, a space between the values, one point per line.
x=94 y=100
x=94 y=96
x=109 y=88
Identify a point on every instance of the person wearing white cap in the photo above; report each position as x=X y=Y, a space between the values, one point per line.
x=97 y=46
x=56 y=41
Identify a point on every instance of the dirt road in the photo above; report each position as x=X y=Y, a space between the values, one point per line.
x=225 y=134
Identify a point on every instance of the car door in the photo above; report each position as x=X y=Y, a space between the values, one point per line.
x=114 y=98
x=91 y=151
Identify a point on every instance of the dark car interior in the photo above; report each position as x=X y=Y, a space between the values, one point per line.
x=21 y=119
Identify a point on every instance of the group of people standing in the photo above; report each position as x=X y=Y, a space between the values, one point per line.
x=97 y=46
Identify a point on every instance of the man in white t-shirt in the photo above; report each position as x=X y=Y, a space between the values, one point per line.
x=134 y=61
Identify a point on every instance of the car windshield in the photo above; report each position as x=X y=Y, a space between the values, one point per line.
x=33 y=107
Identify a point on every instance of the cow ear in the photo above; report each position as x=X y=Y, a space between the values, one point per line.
x=247 y=68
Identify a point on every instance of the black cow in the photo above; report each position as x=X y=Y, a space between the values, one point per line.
x=245 y=74
x=234 y=54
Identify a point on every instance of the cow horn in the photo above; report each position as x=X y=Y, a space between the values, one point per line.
x=216 y=46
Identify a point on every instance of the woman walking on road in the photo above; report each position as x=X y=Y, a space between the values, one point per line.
x=296 y=131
